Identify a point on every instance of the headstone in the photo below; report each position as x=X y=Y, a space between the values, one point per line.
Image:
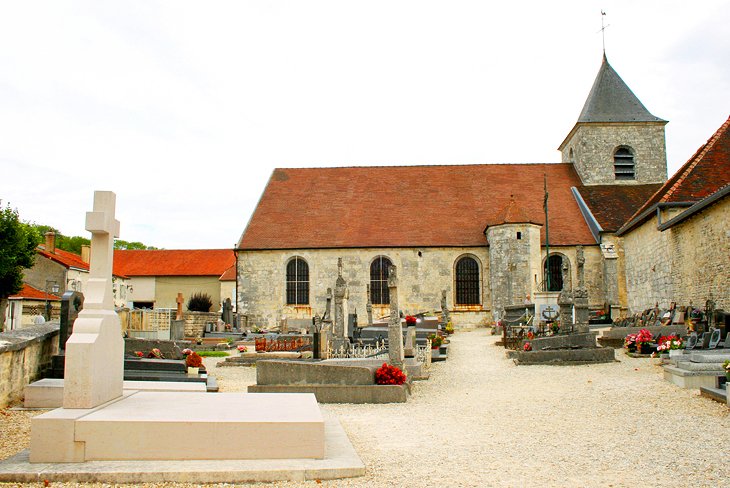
x=445 y=314
x=715 y=337
x=395 y=329
x=72 y=302
x=369 y=306
x=338 y=334
x=95 y=351
x=351 y=325
x=227 y=314
x=409 y=349
x=580 y=294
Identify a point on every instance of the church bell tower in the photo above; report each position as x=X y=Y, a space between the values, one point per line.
x=616 y=140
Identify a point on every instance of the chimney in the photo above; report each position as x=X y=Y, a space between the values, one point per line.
x=51 y=242
x=85 y=253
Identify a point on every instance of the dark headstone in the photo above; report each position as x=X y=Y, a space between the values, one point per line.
x=715 y=337
x=72 y=302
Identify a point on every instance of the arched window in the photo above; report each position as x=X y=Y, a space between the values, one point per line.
x=623 y=164
x=467 y=281
x=297 y=282
x=554 y=270
x=379 y=294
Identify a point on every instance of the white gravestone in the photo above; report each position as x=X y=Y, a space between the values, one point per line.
x=95 y=351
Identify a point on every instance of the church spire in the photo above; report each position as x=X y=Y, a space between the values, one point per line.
x=611 y=100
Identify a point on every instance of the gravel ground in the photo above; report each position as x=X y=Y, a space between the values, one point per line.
x=482 y=421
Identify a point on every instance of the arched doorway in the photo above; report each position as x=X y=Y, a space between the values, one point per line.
x=553 y=270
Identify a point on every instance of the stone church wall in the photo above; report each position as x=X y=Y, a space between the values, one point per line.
x=262 y=282
x=648 y=266
x=700 y=255
x=593 y=147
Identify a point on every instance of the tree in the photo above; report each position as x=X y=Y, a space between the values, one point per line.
x=18 y=242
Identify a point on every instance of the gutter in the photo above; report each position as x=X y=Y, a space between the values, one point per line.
x=696 y=208
x=656 y=208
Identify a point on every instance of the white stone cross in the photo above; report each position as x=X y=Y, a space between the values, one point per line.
x=104 y=228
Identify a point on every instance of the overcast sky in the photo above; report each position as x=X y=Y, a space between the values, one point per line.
x=183 y=109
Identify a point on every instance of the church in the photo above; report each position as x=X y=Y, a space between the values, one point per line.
x=485 y=236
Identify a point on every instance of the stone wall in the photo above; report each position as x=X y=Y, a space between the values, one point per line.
x=422 y=273
x=23 y=355
x=700 y=255
x=594 y=145
x=45 y=269
x=195 y=322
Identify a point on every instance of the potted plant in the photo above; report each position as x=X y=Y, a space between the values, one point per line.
x=436 y=341
x=411 y=321
x=644 y=340
x=449 y=328
x=630 y=342
x=241 y=348
x=527 y=347
x=193 y=361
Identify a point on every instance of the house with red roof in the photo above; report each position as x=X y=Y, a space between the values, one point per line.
x=157 y=276
x=478 y=234
x=28 y=305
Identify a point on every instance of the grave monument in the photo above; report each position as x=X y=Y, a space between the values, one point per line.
x=395 y=329
x=565 y=302
x=339 y=340
x=101 y=422
x=580 y=294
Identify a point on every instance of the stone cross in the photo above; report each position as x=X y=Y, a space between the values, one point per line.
x=179 y=300
x=580 y=294
x=95 y=351
x=395 y=329
x=338 y=339
x=565 y=302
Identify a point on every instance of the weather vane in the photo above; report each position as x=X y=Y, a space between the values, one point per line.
x=603 y=31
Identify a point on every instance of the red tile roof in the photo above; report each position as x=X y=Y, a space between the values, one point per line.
x=612 y=205
x=408 y=206
x=195 y=262
x=30 y=293
x=229 y=274
x=68 y=259
x=707 y=171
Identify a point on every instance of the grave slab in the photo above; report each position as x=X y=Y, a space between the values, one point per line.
x=340 y=461
x=282 y=426
x=48 y=392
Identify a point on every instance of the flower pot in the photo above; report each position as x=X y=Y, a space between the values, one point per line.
x=192 y=371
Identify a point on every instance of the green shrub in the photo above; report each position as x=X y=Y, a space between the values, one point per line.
x=200 y=302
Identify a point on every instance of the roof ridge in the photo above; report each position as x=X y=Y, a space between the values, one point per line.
x=423 y=165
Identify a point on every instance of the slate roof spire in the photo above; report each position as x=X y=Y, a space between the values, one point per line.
x=611 y=100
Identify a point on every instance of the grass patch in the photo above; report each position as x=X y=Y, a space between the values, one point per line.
x=213 y=354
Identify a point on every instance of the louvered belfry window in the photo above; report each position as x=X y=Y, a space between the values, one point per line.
x=623 y=164
x=297 y=282
x=467 y=281
x=379 y=294
x=554 y=267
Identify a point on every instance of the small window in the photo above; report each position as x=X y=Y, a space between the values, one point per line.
x=297 y=282
x=519 y=235
x=467 y=281
x=623 y=164
x=379 y=294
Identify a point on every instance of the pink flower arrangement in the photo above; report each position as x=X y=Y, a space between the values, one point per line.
x=527 y=347
x=667 y=343
x=155 y=354
x=242 y=348
x=187 y=352
x=630 y=340
x=389 y=375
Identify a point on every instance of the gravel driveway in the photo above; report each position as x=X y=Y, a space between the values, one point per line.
x=482 y=421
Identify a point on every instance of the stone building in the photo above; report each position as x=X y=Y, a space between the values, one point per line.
x=677 y=244
x=478 y=232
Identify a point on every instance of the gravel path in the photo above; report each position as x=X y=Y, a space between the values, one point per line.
x=481 y=421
